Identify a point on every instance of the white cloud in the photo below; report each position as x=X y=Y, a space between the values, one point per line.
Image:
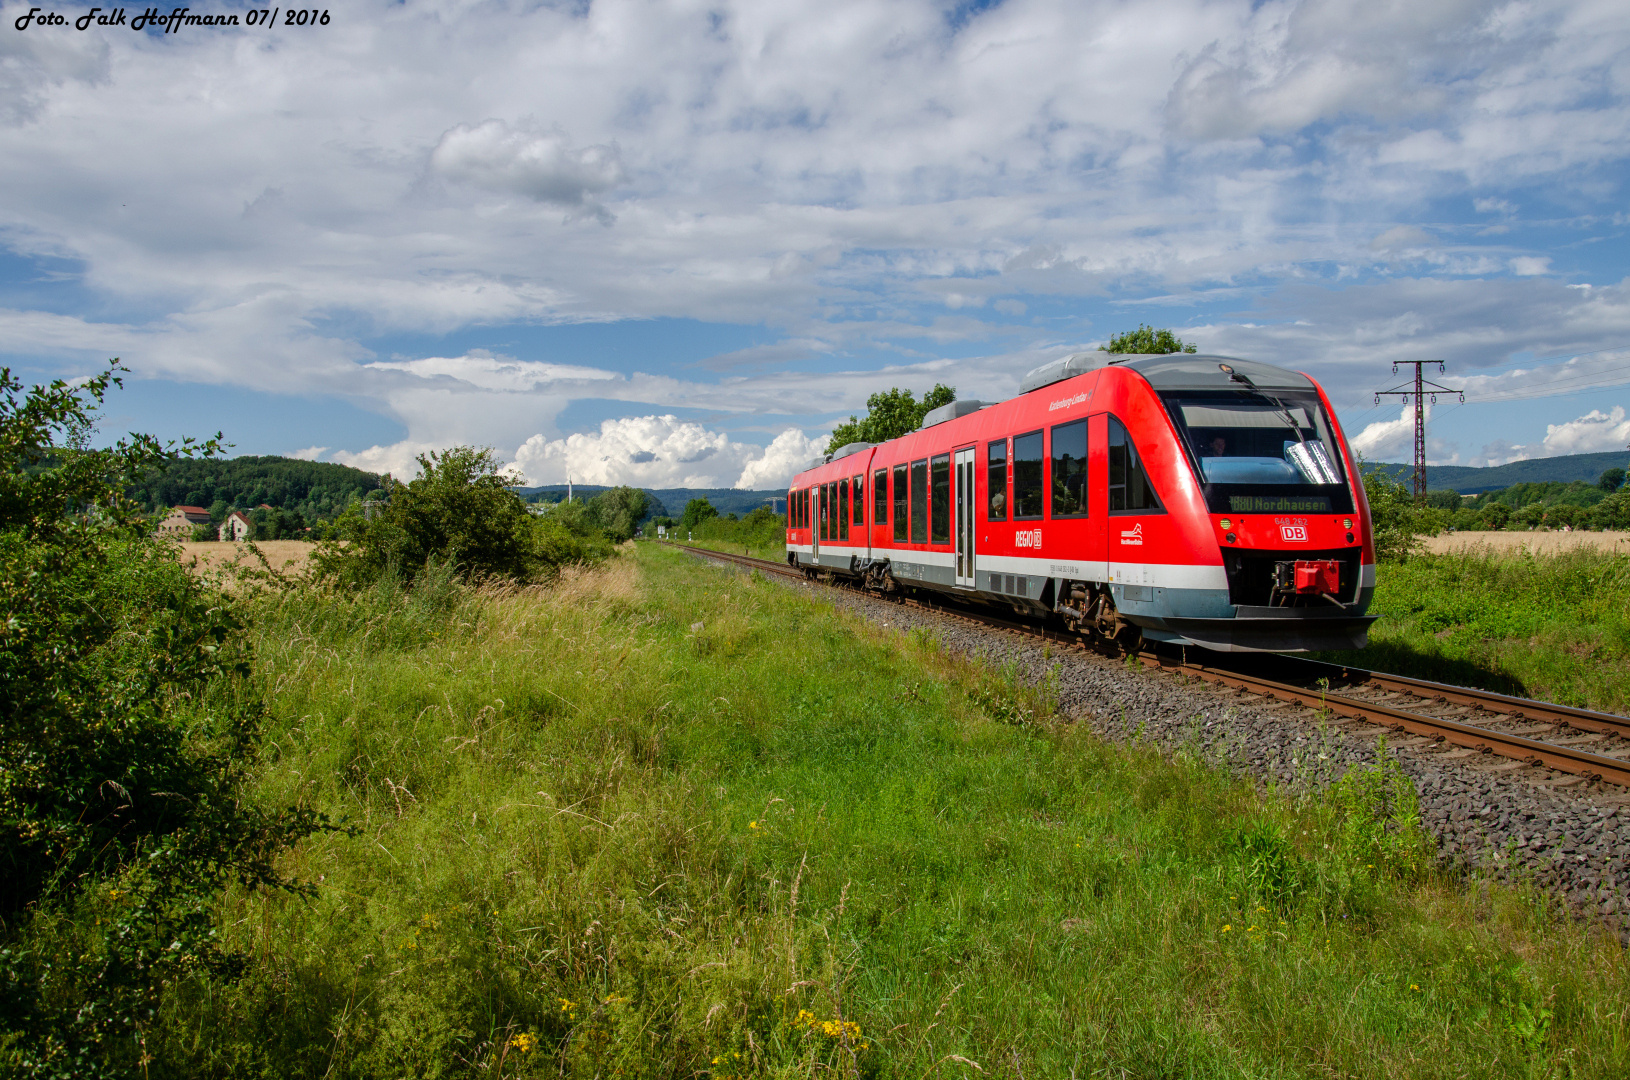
x=664 y=451
x=398 y=459
x=1530 y=265
x=541 y=166
x=1403 y=237
x=310 y=453
x=1594 y=432
x=788 y=454
x=1387 y=439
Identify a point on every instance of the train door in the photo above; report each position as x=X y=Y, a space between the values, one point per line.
x=817 y=524
x=1097 y=554
x=964 y=504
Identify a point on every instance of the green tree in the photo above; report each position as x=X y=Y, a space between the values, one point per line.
x=1495 y=515
x=1611 y=480
x=459 y=510
x=618 y=512
x=889 y=415
x=698 y=511
x=1146 y=339
x=128 y=726
x=1612 y=512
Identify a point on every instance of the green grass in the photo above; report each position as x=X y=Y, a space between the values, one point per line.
x=663 y=820
x=1553 y=627
x=760 y=540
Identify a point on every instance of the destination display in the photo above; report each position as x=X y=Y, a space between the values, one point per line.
x=1279 y=504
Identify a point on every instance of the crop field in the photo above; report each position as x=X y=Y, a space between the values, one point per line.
x=1550 y=626
x=657 y=819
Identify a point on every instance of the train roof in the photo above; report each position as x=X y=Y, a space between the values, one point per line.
x=1170 y=371
x=1163 y=371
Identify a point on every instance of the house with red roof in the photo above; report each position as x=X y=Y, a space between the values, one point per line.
x=237 y=526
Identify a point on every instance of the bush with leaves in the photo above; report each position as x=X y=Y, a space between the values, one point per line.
x=460 y=510
x=128 y=723
x=1397 y=519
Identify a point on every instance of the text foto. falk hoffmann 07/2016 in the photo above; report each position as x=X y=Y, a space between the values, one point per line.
x=178 y=19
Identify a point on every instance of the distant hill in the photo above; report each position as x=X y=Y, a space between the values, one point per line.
x=316 y=489
x=670 y=501
x=1469 y=480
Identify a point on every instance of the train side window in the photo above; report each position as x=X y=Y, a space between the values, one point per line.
x=940 y=504
x=1028 y=464
x=826 y=511
x=1070 y=470
x=901 y=512
x=857 y=487
x=996 y=481
x=1129 y=487
x=880 y=497
x=803 y=508
x=919 y=501
x=843 y=509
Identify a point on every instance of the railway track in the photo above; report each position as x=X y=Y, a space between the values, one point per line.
x=1592 y=745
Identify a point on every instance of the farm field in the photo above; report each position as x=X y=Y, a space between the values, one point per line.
x=663 y=820
x=1537 y=543
x=285 y=556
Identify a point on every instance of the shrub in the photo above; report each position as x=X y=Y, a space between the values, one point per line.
x=460 y=511
x=1397 y=519
x=128 y=731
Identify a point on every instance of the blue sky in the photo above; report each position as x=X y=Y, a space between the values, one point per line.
x=673 y=243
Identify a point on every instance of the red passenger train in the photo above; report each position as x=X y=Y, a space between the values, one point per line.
x=1200 y=500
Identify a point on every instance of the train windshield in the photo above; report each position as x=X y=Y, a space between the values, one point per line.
x=1261 y=451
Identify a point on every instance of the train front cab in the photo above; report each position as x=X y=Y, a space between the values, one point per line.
x=1255 y=526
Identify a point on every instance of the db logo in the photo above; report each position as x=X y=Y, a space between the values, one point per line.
x=1134 y=535
x=1029 y=539
x=1293 y=534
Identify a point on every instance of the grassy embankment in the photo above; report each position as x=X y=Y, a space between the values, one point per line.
x=758 y=539
x=661 y=820
x=1554 y=627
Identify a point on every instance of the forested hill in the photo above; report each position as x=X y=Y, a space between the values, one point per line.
x=1469 y=480
x=316 y=489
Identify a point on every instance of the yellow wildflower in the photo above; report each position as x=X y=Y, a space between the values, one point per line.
x=523 y=1042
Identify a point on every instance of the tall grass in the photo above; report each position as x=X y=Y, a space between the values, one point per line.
x=661 y=820
x=1555 y=627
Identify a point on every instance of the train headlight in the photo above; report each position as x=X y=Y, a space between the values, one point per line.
x=1347 y=523
x=1226 y=524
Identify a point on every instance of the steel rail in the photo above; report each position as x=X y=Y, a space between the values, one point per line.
x=1530 y=751
x=1469 y=736
x=1515 y=707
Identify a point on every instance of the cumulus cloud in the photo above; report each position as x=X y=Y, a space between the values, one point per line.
x=1386 y=439
x=400 y=459
x=664 y=451
x=542 y=166
x=1594 y=432
x=310 y=453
